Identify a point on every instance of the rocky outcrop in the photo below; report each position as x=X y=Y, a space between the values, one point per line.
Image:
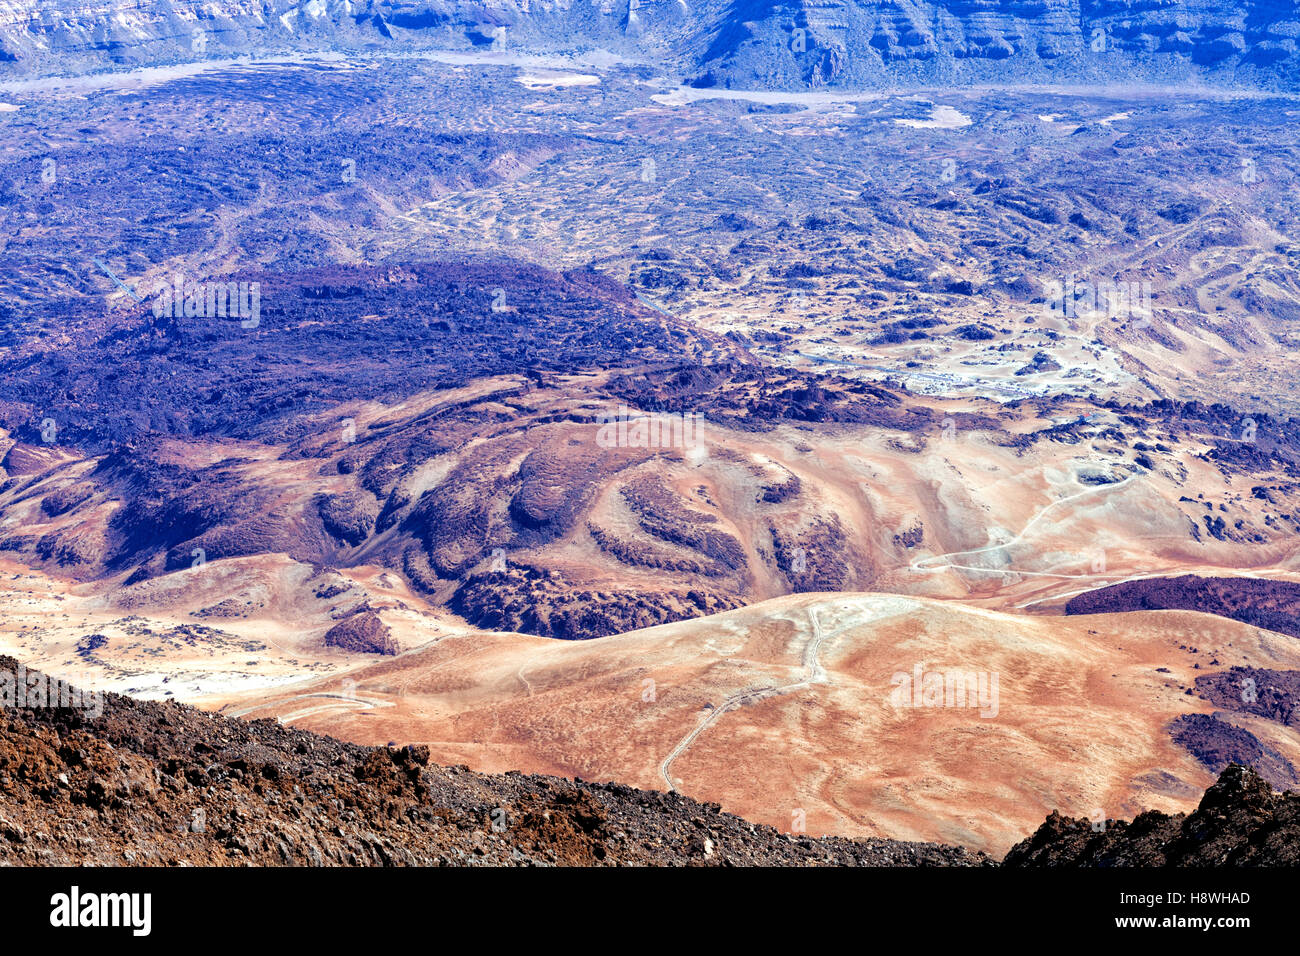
x=1274 y=605
x=1218 y=744
x=1240 y=822
x=865 y=43
x=1271 y=694
x=362 y=633
x=540 y=601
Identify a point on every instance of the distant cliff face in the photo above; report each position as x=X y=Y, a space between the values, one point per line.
x=785 y=44
x=867 y=42
x=64 y=36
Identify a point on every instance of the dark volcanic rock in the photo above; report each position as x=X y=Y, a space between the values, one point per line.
x=973 y=332
x=1273 y=605
x=321 y=337
x=1240 y=822
x=1041 y=362
x=1217 y=744
x=364 y=633
x=1254 y=690
x=537 y=601
x=156 y=784
x=751 y=396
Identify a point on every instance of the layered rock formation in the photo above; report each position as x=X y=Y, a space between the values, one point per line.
x=746 y=43
x=849 y=43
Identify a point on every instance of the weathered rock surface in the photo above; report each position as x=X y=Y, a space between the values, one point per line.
x=1240 y=822
x=744 y=43
x=363 y=633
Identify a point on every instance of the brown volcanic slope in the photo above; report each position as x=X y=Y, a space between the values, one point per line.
x=158 y=784
x=388 y=416
x=147 y=784
x=497 y=500
x=785 y=708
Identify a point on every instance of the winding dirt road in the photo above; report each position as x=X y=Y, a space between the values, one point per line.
x=922 y=564
x=815 y=674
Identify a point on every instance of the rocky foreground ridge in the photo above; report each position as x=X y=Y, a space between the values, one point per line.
x=165 y=784
x=148 y=783
x=1240 y=821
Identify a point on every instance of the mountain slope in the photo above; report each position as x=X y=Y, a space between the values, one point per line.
x=150 y=784
x=844 y=43
x=745 y=43
x=790 y=706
